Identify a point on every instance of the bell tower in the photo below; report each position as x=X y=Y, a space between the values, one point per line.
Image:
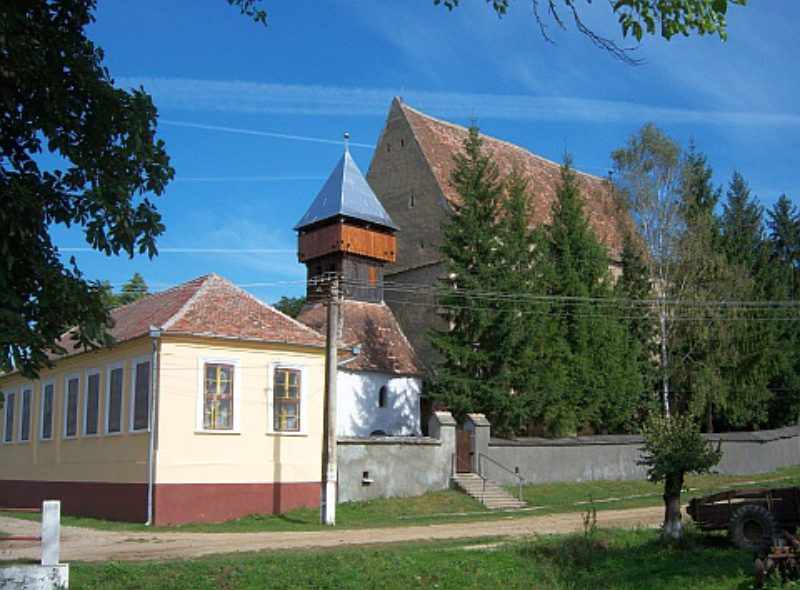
x=346 y=230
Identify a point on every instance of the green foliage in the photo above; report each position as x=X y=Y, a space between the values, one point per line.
x=643 y=17
x=743 y=227
x=60 y=101
x=635 y=287
x=592 y=346
x=531 y=338
x=250 y=9
x=783 y=284
x=132 y=290
x=647 y=176
x=291 y=306
x=674 y=447
x=637 y=19
x=474 y=378
x=60 y=105
x=705 y=347
x=684 y=17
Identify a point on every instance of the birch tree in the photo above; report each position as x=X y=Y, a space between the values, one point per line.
x=647 y=174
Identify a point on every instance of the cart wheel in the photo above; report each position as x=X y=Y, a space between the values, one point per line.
x=752 y=528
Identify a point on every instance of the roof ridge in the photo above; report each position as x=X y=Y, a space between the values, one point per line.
x=190 y=301
x=272 y=308
x=147 y=296
x=504 y=142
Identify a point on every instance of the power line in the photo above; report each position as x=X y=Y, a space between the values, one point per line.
x=243 y=178
x=198 y=250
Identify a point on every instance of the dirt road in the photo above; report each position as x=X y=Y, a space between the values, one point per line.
x=79 y=544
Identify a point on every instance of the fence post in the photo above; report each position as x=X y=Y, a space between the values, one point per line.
x=51 y=531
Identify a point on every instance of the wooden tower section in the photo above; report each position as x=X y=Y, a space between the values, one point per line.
x=347 y=231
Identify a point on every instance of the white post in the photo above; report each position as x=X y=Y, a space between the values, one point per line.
x=51 y=531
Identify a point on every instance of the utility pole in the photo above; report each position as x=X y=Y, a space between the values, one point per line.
x=328 y=500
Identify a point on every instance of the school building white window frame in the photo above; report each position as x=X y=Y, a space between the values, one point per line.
x=93 y=372
x=9 y=406
x=134 y=381
x=27 y=388
x=236 y=364
x=42 y=390
x=303 y=399
x=107 y=409
x=65 y=431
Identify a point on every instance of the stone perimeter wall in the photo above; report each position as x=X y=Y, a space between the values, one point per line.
x=385 y=466
x=376 y=467
x=615 y=457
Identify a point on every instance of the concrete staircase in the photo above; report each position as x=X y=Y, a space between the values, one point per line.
x=489 y=493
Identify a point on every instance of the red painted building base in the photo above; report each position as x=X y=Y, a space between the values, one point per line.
x=112 y=501
x=207 y=502
x=173 y=503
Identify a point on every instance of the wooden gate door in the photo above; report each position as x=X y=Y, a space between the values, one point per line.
x=463 y=451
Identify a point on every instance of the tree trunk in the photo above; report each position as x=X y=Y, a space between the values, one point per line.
x=673 y=527
x=662 y=323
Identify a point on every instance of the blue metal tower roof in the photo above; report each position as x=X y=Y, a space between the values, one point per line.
x=347 y=194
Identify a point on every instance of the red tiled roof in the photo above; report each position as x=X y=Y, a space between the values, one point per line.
x=206 y=306
x=439 y=140
x=384 y=347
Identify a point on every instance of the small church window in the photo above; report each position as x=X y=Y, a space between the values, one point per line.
x=402 y=143
x=411 y=201
x=383 y=394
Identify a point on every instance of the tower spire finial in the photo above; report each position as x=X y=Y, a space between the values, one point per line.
x=346 y=142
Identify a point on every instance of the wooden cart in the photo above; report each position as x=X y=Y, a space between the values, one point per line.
x=753 y=518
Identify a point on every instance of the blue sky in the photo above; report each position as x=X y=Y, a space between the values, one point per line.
x=253 y=116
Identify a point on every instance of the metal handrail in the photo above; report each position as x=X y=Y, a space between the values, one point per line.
x=20 y=537
x=514 y=472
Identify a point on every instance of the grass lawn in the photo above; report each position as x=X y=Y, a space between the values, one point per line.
x=603 y=559
x=605 y=495
x=454 y=506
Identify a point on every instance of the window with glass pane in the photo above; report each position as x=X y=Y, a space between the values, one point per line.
x=287 y=400
x=114 y=411
x=71 y=408
x=25 y=415
x=141 y=396
x=8 y=434
x=218 y=397
x=92 y=403
x=47 y=411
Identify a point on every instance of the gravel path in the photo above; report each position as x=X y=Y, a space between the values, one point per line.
x=80 y=544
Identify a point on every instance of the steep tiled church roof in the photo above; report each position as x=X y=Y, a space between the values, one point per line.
x=384 y=347
x=439 y=140
x=206 y=306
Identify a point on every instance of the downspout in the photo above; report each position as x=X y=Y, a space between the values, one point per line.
x=155 y=336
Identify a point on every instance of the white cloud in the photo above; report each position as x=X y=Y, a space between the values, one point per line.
x=249 y=97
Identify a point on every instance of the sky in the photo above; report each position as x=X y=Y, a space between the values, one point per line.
x=253 y=116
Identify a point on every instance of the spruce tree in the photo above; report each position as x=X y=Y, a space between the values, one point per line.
x=635 y=287
x=469 y=379
x=603 y=387
x=783 y=223
x=754 y=342
x=702 y=348
x=743 y=227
